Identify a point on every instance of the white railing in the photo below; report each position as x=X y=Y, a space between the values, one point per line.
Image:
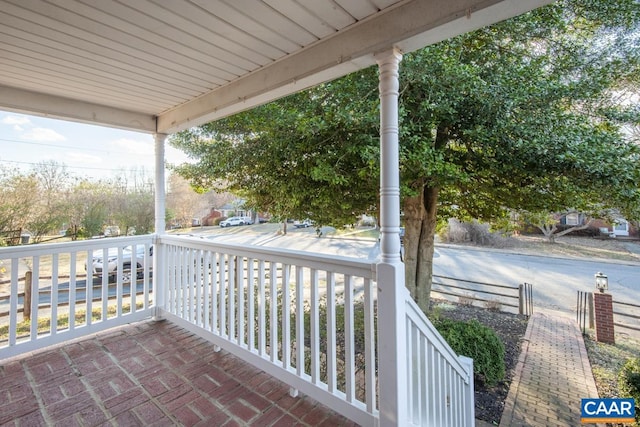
x=440 y=383
x=306 y=319
x=63 y=302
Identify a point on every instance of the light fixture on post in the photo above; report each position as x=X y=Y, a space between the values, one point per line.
x=602 y=281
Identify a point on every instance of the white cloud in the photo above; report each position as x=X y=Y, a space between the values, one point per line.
x=16 y=121
x=42 y=135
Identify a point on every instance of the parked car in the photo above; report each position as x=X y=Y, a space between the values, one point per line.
x=98 y=264
x=232 y=221
x=247 y=220
x=302 y=224
x=112 y=231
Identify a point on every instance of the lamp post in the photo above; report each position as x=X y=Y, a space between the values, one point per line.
x=602 y=281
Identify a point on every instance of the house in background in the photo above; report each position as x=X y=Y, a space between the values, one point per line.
x=617 y=227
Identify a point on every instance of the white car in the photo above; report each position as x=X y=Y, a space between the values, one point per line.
x=302 y=224
x=231 y=221
x=98 y=265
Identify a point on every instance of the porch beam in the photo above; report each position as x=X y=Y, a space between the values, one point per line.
x=57 y=107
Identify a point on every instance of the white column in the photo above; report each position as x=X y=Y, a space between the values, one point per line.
x=158 y=275
x=159 y=187
x=392 y=293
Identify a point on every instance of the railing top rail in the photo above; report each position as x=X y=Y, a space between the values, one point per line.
x=347 y=265
x=79 y=245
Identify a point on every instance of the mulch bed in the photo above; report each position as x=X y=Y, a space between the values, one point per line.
x=511 y=329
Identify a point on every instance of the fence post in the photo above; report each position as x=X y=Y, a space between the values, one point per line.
x=26 y=306
x=520 y=299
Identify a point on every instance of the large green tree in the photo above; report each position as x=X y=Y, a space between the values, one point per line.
x=526 y=114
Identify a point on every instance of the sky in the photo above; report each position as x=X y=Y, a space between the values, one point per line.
x=88 y=151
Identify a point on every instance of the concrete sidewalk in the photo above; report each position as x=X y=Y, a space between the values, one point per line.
x=552 y=375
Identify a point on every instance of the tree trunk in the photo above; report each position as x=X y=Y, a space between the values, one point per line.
x=413 y=213
x=420 y=227
x=427 y=248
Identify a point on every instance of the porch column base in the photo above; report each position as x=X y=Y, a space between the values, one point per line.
x=392 y=345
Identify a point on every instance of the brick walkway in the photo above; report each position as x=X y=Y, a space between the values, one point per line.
x=552 y=375
x=152 y=374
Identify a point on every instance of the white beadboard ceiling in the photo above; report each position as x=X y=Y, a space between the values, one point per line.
x=166 y=65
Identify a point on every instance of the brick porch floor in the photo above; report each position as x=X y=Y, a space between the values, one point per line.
x=148 y=373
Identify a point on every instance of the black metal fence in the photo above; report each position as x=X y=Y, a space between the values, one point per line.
x=584 y=310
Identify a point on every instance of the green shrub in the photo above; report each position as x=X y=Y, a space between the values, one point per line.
x=478 y=342
x=629 y=383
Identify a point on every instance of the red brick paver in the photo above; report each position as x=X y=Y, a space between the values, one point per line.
x=147 y=373
x=552 y=375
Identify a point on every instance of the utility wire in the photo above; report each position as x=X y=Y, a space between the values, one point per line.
x=35 y=164
x=54 y=145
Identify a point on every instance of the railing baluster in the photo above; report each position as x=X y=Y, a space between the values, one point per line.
x=286 y=316
x=133 y=283
x=369 y=346
x=184 y=283
x=300 y=321
x=199 y=283
x=411 y=370
x=240 y=279
x=349 y=332
x=89 y=292
x=55 y=259
x=315 y=328
x=261 y=310
x=105 y=282
x=13 y=302
x=216 y=266
x=231 y=292
x=72 y=289
x=120 y=285
x=273 y=311
x=174 y=275
x=251 y=328
x=332 y=381
x=222 y=289
x=35 y=296
x=191 y=283
x=206 y=283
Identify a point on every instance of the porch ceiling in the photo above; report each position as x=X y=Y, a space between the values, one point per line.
x=166 y=65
